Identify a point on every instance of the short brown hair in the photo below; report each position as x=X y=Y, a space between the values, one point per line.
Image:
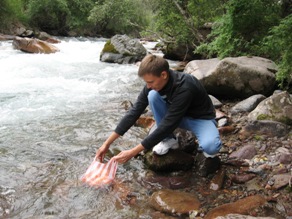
x=152 y=64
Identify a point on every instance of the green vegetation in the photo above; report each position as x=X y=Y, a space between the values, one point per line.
x=239 y=27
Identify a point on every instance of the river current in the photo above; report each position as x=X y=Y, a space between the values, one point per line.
x=55 y=111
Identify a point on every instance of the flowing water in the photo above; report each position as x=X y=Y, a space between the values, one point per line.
x=55 y=111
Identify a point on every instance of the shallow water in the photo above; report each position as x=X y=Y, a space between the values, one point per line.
x=55 y=111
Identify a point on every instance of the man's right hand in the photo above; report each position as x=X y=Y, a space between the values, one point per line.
x=100 y=153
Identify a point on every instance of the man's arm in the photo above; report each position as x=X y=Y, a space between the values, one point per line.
x=126 y=155
x=100 y=153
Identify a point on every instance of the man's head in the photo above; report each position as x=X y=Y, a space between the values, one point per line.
x=155 y=71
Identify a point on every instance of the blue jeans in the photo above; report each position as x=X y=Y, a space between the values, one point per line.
x=205 y=130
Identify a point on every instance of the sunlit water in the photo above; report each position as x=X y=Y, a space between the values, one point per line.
x=55 y=111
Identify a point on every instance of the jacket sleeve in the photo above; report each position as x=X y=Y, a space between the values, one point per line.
x=134 y=113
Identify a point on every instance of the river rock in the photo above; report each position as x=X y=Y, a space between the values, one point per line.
x=175 y=181
x=218 y=180
x=33 y=45
x=4 y=37
x=242 y=178
x=239 y=216
x=239 y=77
x=174 y=160
x=242 y=206
x=264 y=127
x=123 y=50
x=246 y=152
x=248 y=104
x=279 y=181
x=174 y=202
x=277 y=107
x=145 y=121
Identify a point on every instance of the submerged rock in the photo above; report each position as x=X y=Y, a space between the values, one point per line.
x=174 y=202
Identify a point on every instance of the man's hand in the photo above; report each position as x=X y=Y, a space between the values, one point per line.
x=100 y=153
x=126 y=155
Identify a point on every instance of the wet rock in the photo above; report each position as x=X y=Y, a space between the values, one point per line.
x=46 y=37
x=242 y=178
x=242 y=206
x=187 y=141
x=277 y=107
x=145 y=122
x=246 y=152
x=168 y=182
x=226 y=129
x=174 y=160
x=248 y=104
x=4 y=37
x=174 y=202
x=123 y=50
x=239 y=216
x=264 y=127
x=33 y=45
x=218 y=180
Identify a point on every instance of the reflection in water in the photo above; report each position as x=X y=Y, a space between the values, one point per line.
x=55 y=111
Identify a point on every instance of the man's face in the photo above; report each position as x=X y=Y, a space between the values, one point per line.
x=155 y=83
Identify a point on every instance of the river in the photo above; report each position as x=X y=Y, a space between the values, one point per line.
x=55 y=111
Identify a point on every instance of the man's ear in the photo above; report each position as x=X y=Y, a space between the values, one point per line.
x=164 y=74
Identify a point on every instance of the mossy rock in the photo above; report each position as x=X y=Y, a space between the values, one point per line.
x=108 y=47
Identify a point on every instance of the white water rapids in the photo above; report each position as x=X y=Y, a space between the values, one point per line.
x=55 y=110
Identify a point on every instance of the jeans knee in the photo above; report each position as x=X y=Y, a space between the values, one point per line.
x=212 y=147
x=153 y=96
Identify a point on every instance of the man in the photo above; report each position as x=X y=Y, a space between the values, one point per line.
x=176 y=100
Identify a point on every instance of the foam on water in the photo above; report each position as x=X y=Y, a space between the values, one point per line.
x=35 y=86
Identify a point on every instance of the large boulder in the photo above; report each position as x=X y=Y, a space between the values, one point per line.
x=239 y=77
x=122 y=49
x=277 y=107
x=33 y=45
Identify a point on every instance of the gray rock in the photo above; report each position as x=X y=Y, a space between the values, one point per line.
x=239 y=77
x=246 y=152
x=248 y=104
x=277 y=107
x=122 y=49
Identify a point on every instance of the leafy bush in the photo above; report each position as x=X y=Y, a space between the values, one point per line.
x=119 y=16
x=49 y=15
x=279 y=48
x=241 y=29
x=11 y=10
x=179 y=21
